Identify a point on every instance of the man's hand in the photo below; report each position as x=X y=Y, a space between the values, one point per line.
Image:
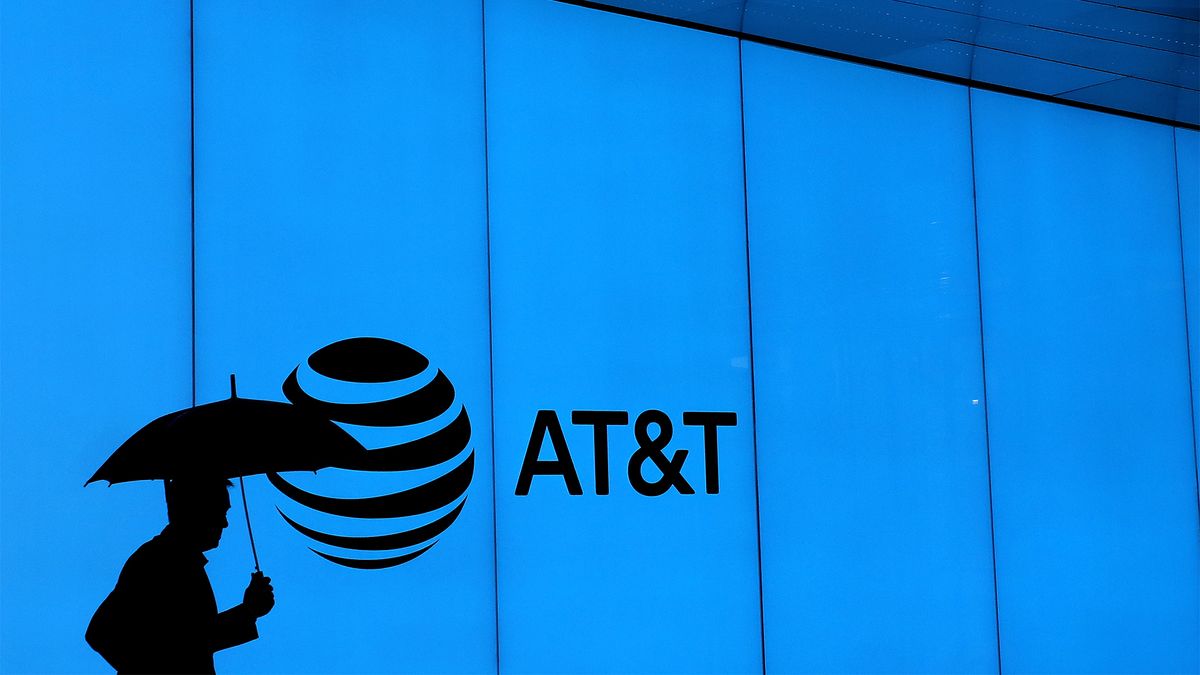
x=259 y=597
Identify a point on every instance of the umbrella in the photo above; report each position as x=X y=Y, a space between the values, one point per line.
x=235 y=437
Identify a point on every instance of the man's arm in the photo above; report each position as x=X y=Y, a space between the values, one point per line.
x=236 y=625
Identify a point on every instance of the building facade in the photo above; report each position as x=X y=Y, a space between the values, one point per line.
x=951 y=326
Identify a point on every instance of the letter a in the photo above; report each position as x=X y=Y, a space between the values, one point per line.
x=547 y=422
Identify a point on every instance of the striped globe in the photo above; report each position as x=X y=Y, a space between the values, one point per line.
x=377 y=388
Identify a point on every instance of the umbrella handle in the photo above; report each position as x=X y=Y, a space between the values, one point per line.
x=249 y=531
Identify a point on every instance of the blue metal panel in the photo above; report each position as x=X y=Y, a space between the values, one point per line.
x=619 y=283
x=1092 y=467
x=340 y=193
x=95 y=302
x=1187 y=149
x=876 y=538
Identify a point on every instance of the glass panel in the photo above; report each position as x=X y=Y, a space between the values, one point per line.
x=876 y=539
x=1092 y=467
x=1187 y=149
x=1140 y=96
x=619 y=284
x=95 y=302
x=1049 y=48
x=340 y=187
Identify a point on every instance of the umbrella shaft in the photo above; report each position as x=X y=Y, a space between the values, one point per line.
x=249 y=531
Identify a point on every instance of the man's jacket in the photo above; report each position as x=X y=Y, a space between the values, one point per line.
x=162 y=616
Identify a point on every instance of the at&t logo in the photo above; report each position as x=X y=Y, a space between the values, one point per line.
x=374 y=385
x=652 y=431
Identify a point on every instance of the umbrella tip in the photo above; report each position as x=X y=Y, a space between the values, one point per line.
x=232 y=386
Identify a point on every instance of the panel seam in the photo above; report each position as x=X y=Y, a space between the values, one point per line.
x=1137 y=9
x=877 y=63
x=487 y=211
x=753 y=395
x=1034 y=26
x=1187 y=335
x=987 y=432
x=192 y=170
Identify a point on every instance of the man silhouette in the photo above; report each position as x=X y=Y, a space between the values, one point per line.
x=162 y=616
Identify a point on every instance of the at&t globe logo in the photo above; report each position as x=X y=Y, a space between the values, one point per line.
x=403 y=410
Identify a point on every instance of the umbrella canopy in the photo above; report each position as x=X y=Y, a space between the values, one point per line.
x=234 y=437
x=231 y=438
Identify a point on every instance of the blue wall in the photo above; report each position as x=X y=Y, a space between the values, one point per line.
x=619 y=283
x=1087 y=370
x=95 y=310
x=871 y=436
x=340 y=192
x=958 y=330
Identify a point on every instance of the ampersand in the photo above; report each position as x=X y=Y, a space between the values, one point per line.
x=652 y=449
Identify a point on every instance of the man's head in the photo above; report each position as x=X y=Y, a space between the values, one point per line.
x=196 y=509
